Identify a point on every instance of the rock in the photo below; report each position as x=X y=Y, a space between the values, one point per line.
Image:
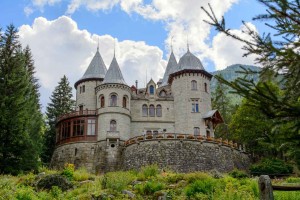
x=86 y=181
x=135 y=183
x=216 y=174
x=47 y=182
x=160 y=195
x=129 y=193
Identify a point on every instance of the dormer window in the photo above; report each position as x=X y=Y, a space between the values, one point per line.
x=151 y=89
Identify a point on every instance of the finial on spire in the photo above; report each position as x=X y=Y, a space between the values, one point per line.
x=114 y=47
x=187 y=43
x=98 y=45
x=172 y=43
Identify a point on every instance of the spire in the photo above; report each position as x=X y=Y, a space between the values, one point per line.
x=114 y=74
x=96 y=68
x=172 y=67
x=187 y=43
x=98 y=45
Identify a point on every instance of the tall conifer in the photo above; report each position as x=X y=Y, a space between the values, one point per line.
x=61 y=103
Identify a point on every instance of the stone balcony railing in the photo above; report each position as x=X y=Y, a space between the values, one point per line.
x=188 y=137
x=113 y=135
x=78 y=114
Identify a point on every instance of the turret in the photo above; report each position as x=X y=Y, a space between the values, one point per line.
x=172 y=67
x=85 y=86
x=113 y=105
x=190 y=88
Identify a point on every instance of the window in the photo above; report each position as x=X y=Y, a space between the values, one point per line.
x=91 y=129
x=113 y=125
x=80 y=89
x=162 y=93
x=194 y=85
x=205 y=87
x=65 y=130
x=158 y=111
x=208 y=134
x=148 y=132
x=155 y=132
x=78 y=127
x=81 y=109
x=151 y=89
x=124 y=102
x=195 y=106
x=76 y=151
x=151 y=111
x=113 y=100
x=102 y=102
x=83 y=89
x=196 y=131
x=145 y=110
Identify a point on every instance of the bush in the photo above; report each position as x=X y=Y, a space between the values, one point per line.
x=293 y=180
x=82 y=174
x=238 y=174
x=192 y=177
x=68 y=171
x=174 y=178
x=205 y=187
x=149 y=187
x=271 y=167
x=147 y=172
x=117 y=180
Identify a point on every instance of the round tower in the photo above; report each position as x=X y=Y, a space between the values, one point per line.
x=85 y=86
x=192 y=99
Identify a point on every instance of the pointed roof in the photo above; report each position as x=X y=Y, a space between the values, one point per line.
x=172 y=67
x=114 y=74
x=190 y=61
x=95 y=70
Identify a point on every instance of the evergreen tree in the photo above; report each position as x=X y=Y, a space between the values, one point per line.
x=280 y=57
x=61 y=103
x=221 y=102
x=19 y=136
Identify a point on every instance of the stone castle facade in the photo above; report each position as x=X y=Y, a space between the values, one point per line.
x=170 y=123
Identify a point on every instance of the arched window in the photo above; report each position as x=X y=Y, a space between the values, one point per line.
x=113 y=100
x=102 y=101
x=151 y=88
x=124 y=102
x=194 y=85
x=113 y=125
x=162 y=93
x=205 y=87
x=151 y=111
x=196 y=131
x=158 y=111
x=145 y=110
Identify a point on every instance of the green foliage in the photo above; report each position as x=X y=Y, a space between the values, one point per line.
x=271 y=166
x=238 y=174
x=61 y=103
x=148 y=171
x=174 y=177
x=194 y=176
x=82 y=174
x=148 y=188
x=20 y=116
x=117 y=180
x=55 y=192
x=293 y=180
x=68 y=171
x=279 y=57
x=204 y=187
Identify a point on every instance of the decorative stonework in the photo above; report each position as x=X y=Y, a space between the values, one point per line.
x=112 y=86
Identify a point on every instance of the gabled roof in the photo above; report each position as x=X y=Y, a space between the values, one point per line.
x=172 y=66
x=214 y=116
x=190 y=61
x=114 y=74
x=95 y=70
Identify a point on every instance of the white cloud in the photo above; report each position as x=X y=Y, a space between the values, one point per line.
x=28 y=11
x=60 y=48
x=226 y=51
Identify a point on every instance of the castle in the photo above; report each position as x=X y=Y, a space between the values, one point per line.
x=170 y=123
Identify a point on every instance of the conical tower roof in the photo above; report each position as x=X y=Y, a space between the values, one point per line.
x=114 y=74
x=172 y=67
x=190 y=61
x=96 y=68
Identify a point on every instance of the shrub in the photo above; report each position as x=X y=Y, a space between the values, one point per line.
x=82 y=174
x=238 y=174
x=149 y=187
x=68 y=171
x=205 y=187
x=191 y=177
x=293 y=180
x=55 y=192
x=149 y=171
x=271 y=166
x=117 y=180
x=174 y=178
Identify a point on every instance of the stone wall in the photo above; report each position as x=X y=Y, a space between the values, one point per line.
x=184 y=156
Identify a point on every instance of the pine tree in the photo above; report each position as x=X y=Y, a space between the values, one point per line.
x=61 y=103
x=280 y=57
x=19 y=139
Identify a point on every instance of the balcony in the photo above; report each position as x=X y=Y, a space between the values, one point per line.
x=113 y=135
x=78 y=114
